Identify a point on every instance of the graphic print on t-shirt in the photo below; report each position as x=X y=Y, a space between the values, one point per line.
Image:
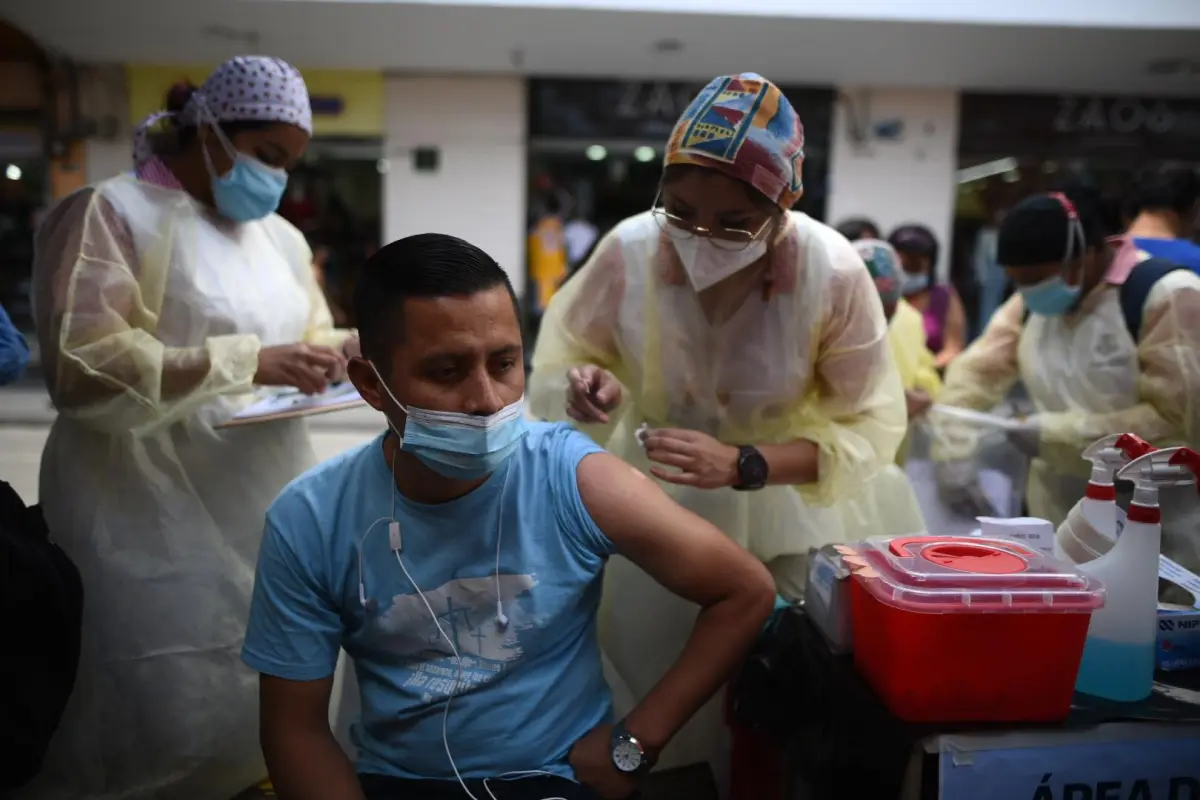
x=466 y=610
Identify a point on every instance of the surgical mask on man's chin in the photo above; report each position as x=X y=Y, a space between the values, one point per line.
x=706 y=264
x=456 y=445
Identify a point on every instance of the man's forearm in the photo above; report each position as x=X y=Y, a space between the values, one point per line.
x=310 y=765
x=723 y=635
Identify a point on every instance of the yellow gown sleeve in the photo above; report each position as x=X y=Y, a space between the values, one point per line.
x=580 y=327
x=978 y=379
x=917 y=364
x=320 y=328
x=1168 y=411
x=96 y=312
x=857 y=417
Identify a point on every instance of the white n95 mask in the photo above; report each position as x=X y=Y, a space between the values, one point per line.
x=707 y=264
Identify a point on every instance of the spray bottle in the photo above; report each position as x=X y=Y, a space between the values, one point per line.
x=1093 y=525
x=1118 y=659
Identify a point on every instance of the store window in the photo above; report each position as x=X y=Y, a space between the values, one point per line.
x=595 y=156
x=1011 y=146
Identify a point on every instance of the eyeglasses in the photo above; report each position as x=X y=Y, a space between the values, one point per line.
x=729 y=239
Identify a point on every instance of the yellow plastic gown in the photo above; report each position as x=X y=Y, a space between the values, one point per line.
x=1088 y=379
x=914 y=360
x=809 y=362
x=151 y=314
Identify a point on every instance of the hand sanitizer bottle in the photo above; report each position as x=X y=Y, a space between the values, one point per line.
x=1092 y=525
x=1118 y=658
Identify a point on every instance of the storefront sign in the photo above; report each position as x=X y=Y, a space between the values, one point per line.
x=345 y=102
x=643 y=110
x=1148 y=769
x=1073 y=126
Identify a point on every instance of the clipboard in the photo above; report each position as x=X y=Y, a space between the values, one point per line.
x=275 y=405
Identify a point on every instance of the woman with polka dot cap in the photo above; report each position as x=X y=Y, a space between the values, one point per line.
x=163 y=299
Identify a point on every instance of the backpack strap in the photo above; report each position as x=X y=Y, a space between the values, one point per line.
x=1137 y=288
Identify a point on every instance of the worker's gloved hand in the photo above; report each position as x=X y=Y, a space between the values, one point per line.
x=958 y=486
x=1027 y=439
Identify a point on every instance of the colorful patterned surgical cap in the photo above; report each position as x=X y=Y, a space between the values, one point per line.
x=743 y=126
x=884 y=265
x=243 y=89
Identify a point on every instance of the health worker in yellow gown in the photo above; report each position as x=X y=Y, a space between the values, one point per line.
x=163 y=299
x=737 y=351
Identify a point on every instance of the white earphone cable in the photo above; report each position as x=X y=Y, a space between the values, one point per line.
x=397 y=546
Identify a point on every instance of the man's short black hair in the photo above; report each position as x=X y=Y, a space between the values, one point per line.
x=425 y=265
x=1168 y=189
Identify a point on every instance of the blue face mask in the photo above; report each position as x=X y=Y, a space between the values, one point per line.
x=1051 y=298
x=250 y=190
x=462 y=446
x=913 y=283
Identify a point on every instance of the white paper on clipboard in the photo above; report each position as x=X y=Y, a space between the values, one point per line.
x=294 y=402
x=978 y=417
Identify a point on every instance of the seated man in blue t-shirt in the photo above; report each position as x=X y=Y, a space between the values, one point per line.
x=1165 y=210
x=458 y=561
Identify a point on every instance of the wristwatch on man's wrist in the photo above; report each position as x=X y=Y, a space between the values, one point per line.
x=629 y=755
x=752 y=469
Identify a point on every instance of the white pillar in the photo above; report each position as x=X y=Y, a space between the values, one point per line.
x=910 y=179
x=477 y=125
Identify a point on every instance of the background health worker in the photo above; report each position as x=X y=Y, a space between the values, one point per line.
x=163 y=298
x=751 y=342
x=942 y=309
x=1090 y=368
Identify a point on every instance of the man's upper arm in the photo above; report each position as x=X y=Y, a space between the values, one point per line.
x=294 y=630
x=680 y=550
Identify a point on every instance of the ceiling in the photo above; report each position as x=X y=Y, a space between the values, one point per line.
x=421 y=37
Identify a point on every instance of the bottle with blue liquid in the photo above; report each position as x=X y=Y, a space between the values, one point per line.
x=1118 y=659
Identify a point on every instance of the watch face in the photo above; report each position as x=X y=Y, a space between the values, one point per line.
x=752 y=468
x=627 y=756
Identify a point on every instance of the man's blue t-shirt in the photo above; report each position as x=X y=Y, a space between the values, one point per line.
x=529 y=690
x=1183 y=252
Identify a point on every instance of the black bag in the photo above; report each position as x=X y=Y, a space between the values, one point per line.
x=41 y=614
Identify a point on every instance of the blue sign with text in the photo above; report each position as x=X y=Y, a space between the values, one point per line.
x=1149 y=769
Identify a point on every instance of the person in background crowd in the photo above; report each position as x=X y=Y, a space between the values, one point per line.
x=989 y=275
x=906 y=331
x=737 y=351
x=322 y=255
x=939 y=304
x=1100 y=349
x=547 y=252
x=503 y=529
x=857 y=228
x=163 y=299
x=1164 y=209
x=580 y=237
x=14 y=351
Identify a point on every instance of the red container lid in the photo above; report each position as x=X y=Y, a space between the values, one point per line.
x=971 y=575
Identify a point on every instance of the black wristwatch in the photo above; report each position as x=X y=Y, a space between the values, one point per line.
x=628 y=754
x=752 y=469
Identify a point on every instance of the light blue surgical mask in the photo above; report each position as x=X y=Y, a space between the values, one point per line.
x=913 y=283
x=1051 y=298
x=250 y=190
x=461 y=446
